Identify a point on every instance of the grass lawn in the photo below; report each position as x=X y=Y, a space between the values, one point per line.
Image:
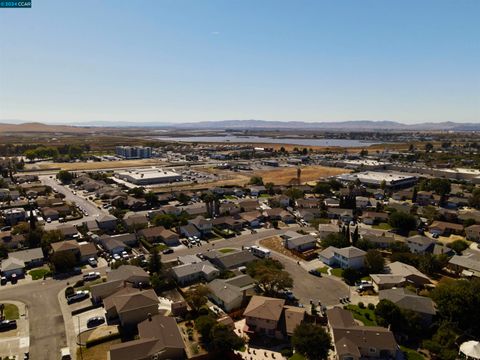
x=88 y=284
x=297 y=356
x=337 y=272
x=161 y=247
x=361 y=314
x=11 y=312
x=38 y=274
x=226 y=250
x=264 y=196
x=97 y=352
x=382 y=226
x=323 y=270
x=367 y=278
x=230 y=197
x=411 y=354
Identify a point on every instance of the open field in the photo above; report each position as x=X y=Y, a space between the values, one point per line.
x=97 y=352
x=94 y=165
x=283 y=176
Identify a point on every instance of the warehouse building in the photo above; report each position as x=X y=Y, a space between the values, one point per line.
x=375 y=179
x=149 y=176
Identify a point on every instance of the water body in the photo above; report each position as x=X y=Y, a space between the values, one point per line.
x=270 y=140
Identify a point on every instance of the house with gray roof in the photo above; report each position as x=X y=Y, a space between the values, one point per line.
x=406 y=299
x=195 y=272
x=233 y=293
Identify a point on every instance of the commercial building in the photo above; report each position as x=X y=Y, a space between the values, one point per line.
x=134 y=152
x=375 y=178
x=149 y=176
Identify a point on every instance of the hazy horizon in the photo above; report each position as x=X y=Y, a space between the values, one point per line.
x=180 y=62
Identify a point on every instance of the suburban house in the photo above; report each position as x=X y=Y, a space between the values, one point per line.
x=419 y=244
x=308 y=203
x=372 y=217
x=424 y=198
x=445 y=228
x=263 y=314
x=231 y=294
x=408 y=300
x=348 y=257
x=253 y=218
x=354 y=342
x=189 y=230
x=398 y=274
x=132 y=274
x=473 y=233
x=87 y=250
x=256 y=190
x=363 y=202
x=14 y=215
x=131 y=306
x=309 y=214
x=194 y=272
x=345 y=215
x=228 y=261
x=135 y=220
x=326 y=229
x=13 y=267
x=30 y=257
x=228 y=222
x=158 y=338
x=68 y=231
x=203 y=226
x=107 y=222
x=66 y=246
x=229 y=208
x=279 y=214
x=467 y=264
x=298 y=242
x=159 y=233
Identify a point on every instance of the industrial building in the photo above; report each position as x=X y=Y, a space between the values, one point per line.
x=134 y=152
x=375 y=179
x=149 y=176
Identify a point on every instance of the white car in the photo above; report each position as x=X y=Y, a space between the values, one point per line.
x=125 y=255
x=91 y=276
x=117 y=257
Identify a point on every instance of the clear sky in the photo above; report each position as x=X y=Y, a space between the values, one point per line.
x=181 y=61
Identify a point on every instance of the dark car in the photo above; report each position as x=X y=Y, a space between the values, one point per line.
x=6 y=325
x=167 y=251
x=95 y=321
x=315 y=272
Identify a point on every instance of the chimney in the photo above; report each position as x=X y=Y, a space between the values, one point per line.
x=149 y=317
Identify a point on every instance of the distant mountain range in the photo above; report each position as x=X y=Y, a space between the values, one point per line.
x=354 y=125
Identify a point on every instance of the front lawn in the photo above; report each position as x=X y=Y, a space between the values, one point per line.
x=382 y=226
x=161 y=247
x=38 y=274
x=323 y=270
x=366 y=316
x=226 y=250
x=337 y=272
x=11 y=312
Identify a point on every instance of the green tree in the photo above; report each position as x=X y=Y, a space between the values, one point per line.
x=270 y=276
x=151 y=198
x=311 y=341
x=403 y=222
x=374 y=262
x=197 y=297
x=351 y=276
x=256 y=180
x=225 y=340
x=165 y=220
x=154 y=263
x=65 y=176
x=183 y=198
x=389 y=314
x=458 y=246
x=335 y=239
x=294 y=193
x=204 y=325
x=322 y=188
x=63 y=261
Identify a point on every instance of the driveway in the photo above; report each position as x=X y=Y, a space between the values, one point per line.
x=16 y=342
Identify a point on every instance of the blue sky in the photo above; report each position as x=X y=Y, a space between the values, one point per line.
x=180 y=61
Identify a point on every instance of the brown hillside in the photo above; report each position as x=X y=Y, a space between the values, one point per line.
x=43 y=128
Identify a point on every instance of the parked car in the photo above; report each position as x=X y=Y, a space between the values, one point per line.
x=6 y=325
x=78 y=296
x=365 y=287
x=95 y=321
x=92 y=262
x=167 y=251
x=315 y=272
x=91 y=276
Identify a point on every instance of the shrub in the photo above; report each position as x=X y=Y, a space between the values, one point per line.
x=361 y=305
x=69 y=291
x=79 y=283
x=371 y=306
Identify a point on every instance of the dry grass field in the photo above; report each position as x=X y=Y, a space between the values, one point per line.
x=284 y=176
x=94 y=165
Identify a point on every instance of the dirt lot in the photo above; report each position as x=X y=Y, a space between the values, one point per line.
x=283 y=176
x=95 y=165
x=275 y=243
